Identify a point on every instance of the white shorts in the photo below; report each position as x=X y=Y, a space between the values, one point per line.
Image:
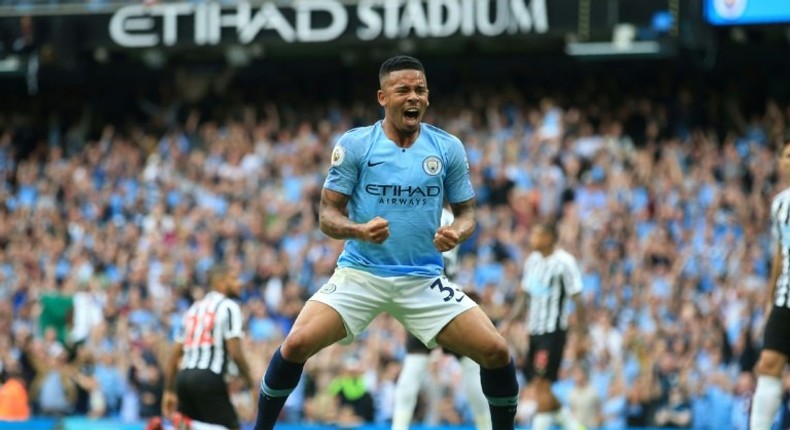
x=423 y=305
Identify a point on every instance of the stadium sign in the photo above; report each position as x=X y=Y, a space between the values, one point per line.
x=311 y=21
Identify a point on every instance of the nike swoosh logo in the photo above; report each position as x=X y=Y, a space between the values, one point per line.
x=370 y=164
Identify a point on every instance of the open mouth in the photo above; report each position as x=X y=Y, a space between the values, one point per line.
x=412 y=113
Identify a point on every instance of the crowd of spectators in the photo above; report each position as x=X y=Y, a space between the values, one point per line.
x=105 y=240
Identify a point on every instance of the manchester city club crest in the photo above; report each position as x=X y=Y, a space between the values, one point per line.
x=432 y=165
x=328 y=288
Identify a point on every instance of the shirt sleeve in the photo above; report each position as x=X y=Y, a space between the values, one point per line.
x=233 y=326
x=457 y=184
x=572 y=276
x=776 y=232
x=344 y=168
x=525 y=275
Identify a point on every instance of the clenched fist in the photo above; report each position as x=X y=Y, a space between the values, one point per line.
x=445 y=239
x=376 y=230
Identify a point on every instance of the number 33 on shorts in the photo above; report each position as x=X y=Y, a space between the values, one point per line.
x=449 y=292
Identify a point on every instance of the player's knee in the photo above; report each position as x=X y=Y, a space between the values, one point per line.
x=770 y=363
x=495 y=354
x=298 y=346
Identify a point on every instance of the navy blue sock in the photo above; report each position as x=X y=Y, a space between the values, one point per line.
x=501 y=390
x=280 y=380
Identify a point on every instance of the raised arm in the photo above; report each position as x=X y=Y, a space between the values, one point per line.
x=334 y=222
x=448 y=237
x=333 y=216
x=465 y=218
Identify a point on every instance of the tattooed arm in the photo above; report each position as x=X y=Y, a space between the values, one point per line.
x=334 y=222
x=448 y=237
x=465 y=219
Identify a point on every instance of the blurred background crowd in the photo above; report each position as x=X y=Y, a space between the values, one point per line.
x=138 y=147
x=107 y=229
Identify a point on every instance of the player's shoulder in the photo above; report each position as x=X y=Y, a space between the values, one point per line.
x=228 y=308
x=353 y=144
x=564 y=256
x=781 y=197
x=357 y=134
x=533 y=257
x=441 y=136
x=229 y=303
x=197 y=305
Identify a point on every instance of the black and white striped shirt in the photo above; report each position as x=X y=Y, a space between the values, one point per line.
x=780 y=222
x=550 y=281
x=207 y=324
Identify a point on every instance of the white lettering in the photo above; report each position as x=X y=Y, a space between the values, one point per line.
x=130 y=19
x=213 y=12
x=484 y=24
x=135 y=26
x=468 y=17
x=391 y=18
x=170 y=15
x=521 y=20
x=201 y=23
x=236 y=21
x=239 y=19
x=304 y=26
x=414 y=18
x=435 y=12
x=267 y=18
x=371 y=20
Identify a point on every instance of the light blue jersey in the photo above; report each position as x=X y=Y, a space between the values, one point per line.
x=406 y=188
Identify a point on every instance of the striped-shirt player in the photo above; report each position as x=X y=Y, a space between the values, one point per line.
x=208 y=323
x=209 y=342
x=550 y=281
x=776 y=340
x=551 y=277
x=780 y=222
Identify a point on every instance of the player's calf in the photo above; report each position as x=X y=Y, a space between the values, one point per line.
x=768 y=392
x=280 y=380
x=474 y=394
x=415 y=368
x=766 y=401
x=501 y=390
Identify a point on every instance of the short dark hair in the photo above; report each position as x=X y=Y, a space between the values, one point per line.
x=549 y=227
x=217 y=272
x=399 y=62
